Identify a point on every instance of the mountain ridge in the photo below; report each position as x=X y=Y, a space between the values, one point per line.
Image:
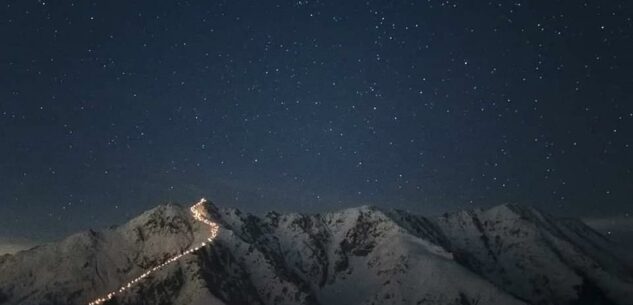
x=507 y=254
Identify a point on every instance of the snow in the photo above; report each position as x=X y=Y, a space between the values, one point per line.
x=504 y=255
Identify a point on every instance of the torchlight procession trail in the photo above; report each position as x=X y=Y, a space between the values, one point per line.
x=198 y=215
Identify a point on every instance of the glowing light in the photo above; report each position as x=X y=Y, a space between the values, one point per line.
x=198 y=214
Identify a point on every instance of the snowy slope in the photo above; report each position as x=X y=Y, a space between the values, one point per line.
x=504 y=255
x=537 y=258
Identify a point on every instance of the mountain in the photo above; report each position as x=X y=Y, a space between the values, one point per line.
x=505 y=255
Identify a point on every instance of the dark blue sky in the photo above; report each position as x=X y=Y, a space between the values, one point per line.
x=108 y=108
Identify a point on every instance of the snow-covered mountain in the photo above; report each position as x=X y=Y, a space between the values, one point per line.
x=504 y=255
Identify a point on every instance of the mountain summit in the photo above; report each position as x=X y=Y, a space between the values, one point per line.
x=505 y=255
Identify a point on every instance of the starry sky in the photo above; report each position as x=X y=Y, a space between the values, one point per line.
x=108 y=108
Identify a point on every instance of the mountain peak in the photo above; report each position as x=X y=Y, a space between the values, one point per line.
x=508 y=254
x=514 y=209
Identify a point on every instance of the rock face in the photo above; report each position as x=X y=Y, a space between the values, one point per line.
x=505 y=255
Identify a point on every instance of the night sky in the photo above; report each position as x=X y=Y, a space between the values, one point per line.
x=108 y=108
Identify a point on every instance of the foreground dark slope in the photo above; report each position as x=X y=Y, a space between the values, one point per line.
x=504 y=255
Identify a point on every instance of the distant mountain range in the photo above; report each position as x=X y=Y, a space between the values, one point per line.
x=505 y=255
